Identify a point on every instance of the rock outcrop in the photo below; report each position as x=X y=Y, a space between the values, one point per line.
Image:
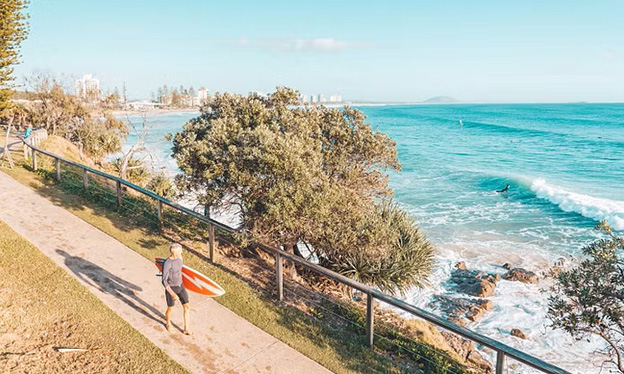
x=474 y=282
x=521 y=275
x=462 y=310
x=466 y=349
x=518 y=333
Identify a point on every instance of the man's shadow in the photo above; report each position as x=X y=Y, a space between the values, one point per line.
x=109 y=283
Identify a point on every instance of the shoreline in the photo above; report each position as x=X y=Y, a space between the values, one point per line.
x=134 y=112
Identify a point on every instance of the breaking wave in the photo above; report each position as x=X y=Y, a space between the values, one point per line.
x=591 y=207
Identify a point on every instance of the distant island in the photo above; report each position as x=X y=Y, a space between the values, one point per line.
x=441 y=100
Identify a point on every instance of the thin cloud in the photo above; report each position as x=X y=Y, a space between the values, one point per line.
x=610 y=54
x=301 y=45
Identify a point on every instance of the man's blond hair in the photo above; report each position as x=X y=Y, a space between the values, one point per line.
x=176 y=248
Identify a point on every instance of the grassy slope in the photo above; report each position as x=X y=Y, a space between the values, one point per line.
x=41 y=307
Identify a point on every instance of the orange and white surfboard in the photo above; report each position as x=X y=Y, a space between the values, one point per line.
x=195 y=281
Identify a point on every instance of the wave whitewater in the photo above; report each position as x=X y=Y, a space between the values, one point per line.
x=596 y=208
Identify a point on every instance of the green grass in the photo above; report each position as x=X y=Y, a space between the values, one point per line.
x=340 y=349
x=42 y=306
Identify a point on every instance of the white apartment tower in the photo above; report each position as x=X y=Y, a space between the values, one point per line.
x=202 y=95
x=88 y=88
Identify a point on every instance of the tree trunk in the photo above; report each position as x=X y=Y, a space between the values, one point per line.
x=289 y=267
x=123 y=168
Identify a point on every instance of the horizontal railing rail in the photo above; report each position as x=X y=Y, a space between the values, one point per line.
x=502 y=350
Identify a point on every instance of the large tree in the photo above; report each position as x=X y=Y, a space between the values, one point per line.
x=13 y=30
x=311 y=175
x=589 y=299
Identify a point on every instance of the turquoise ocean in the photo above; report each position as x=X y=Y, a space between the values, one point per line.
x=564 y=164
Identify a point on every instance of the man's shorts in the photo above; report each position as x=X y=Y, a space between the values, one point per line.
x=181 y=292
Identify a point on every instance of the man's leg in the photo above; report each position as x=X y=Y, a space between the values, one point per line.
x=168 y=318
x=186 y=318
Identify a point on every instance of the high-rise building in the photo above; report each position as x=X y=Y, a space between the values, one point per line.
x=321 y=98
x=335 y=98
x=202 y=95
x=88 y=88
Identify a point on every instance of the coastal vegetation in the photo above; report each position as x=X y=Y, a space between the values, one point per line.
x=173 y=97
x=588 y=300
x=13 y=30
x=42 y=307
x=311 y=179
x=326 y=328
x=94 y=132
x=97 y=133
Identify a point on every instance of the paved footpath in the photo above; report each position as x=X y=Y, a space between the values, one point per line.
x=126 y=282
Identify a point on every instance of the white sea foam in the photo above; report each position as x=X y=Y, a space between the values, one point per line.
x=592 y=207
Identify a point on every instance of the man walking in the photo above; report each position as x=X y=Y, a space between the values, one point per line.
x=174 y=289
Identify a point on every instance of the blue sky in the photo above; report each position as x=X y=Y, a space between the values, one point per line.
x=478 y=51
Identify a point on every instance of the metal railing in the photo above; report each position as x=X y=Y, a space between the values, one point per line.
x=503 y=351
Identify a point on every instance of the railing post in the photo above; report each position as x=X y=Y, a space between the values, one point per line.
x=58 y=169
x=85 y=179
x=34 y=159
x=211 y=242
x=500 y=362
x=280 y=276
x=160 y=215
x=118 y=194
x=370 y=316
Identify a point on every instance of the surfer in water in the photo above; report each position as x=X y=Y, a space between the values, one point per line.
x=504 y=189
x=174 y=289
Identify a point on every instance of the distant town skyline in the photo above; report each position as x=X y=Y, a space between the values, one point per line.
x=395 y=51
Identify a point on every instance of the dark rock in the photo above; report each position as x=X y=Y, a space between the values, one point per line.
x=461 y=265
x=521 y=275
x=459 y=310
x=518 y=333
x=479 y=310
x=474 y=282
x=506 y=266
x=466 y=349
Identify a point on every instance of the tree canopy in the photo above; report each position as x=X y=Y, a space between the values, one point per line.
x=13 y=30
x=589 y=299
x=310 y=175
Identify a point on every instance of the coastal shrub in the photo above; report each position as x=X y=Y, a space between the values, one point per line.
x=407 y=254
x=589 y=299
x=161 y=185
x=100 y=136
x=136 y=171
x=311 y=175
